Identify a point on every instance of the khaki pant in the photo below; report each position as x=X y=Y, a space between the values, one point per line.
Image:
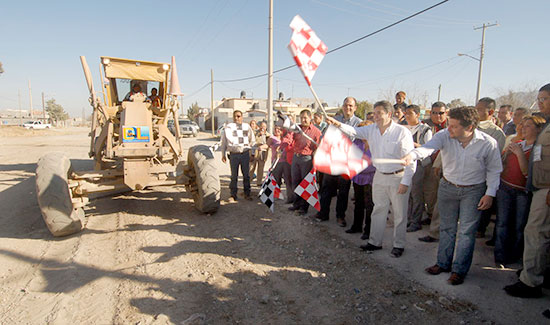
x=434 y=224
x=537 y=240
x=384 y=192
x=257 y=165
x=431 y=184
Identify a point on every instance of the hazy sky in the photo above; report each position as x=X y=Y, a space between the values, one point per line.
x=42 y=41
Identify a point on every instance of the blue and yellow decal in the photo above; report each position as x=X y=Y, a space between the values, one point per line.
x=135 y=134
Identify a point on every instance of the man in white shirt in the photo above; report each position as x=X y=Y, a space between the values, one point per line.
x=471 y=176
x=392 y=182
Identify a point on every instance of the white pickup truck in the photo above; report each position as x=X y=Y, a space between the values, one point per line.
x=37 y=125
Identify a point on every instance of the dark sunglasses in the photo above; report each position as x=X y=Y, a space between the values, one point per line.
x=438 y=113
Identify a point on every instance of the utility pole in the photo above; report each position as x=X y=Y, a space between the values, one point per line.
x=43 y=108
x=20 y=112
x=30 y=100
x=270 y=72
x=439 y=93
x=212 y=100
x=481 y=54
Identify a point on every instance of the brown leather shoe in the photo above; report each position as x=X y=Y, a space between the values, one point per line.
x=455 y=279
x=436 y=269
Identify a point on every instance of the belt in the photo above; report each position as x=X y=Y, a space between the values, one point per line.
x=456 y=185
x=300 y=155
x=394 y=172
x=239 y=153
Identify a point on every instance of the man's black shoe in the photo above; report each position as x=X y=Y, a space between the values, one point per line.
x=364 y=236
x=397 y=252
x=293 y=208
x=370 y=247
x=300 y=212
x=352 y=231
x=521 y=290
x=428 y=239
x=318 y=217
x=546 y=313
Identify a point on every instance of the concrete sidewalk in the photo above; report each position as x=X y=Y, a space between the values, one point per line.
x=482 y=286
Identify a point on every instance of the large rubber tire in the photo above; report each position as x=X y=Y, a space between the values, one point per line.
x=205 y=182
x=54 y=198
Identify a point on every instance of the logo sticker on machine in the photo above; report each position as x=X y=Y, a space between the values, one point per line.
x=135 y=134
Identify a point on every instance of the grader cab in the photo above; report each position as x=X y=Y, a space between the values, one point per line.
x=130 y=144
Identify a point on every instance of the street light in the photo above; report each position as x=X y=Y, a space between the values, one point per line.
x=481 y=54
x=468 y=55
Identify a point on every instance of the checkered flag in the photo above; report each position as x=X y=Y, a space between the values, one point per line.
x=269 y=178
x=337 y=155
x=306 y=47
x=269 y=191
x=308 y=190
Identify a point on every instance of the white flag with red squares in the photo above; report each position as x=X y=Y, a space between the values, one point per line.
x=306 y=47
x=337 y=155
x=308 y=190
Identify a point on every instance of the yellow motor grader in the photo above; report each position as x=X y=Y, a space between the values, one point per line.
x=131 y=146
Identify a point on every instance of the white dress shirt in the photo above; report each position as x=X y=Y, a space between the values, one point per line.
x=395 y=143
x=479 y=161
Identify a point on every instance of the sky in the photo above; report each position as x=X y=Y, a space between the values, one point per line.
x=42 y=42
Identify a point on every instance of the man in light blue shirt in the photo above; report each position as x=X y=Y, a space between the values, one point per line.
x=471 y=176
x=335 y=185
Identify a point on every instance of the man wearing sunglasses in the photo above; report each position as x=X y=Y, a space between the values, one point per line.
x=237 y=139
x=432 y=172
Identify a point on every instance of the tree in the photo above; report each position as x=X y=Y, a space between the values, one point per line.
x=56 y=111
x=363 y=107
x=455 y=103
x=193 y=111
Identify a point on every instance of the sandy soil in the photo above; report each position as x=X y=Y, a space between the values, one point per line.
x=149 y=257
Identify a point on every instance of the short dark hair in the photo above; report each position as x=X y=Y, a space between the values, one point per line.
x=401 y=92
x=307 y=111
x=387 y=106
x=349 y=97
x=545 y=88
x=415 y=108
x=507 y=106
x=466 y=116
x=522 y=109
x=237 y=111
x=491 y=104
x=439 y=105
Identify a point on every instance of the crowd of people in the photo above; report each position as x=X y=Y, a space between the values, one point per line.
x=454 y=171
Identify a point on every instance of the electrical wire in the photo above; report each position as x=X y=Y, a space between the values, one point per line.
x=331 y=51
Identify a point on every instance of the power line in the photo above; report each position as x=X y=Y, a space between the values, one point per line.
x=331 y=51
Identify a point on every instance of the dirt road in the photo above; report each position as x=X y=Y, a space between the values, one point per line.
x=150 y=258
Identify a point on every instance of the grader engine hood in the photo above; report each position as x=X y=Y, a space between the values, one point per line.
x=136 y=147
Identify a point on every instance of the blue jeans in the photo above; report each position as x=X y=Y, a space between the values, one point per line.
x=459 y=216
x=236 y=160
x=513 y=210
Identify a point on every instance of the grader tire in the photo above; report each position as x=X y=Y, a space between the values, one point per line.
x=205 y=183
x=53 y=195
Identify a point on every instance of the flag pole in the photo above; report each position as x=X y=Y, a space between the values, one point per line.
x=317 y=99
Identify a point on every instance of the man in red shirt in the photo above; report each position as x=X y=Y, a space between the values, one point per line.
x=302 y=162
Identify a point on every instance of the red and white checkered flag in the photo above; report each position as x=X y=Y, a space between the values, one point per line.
x=337 y=155
x=308 y=190
x=306 y=47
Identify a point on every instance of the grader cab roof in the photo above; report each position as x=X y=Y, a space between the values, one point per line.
x=134 y=69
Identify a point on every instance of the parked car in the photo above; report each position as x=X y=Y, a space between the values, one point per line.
x=187 y=127
x=37 y=125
